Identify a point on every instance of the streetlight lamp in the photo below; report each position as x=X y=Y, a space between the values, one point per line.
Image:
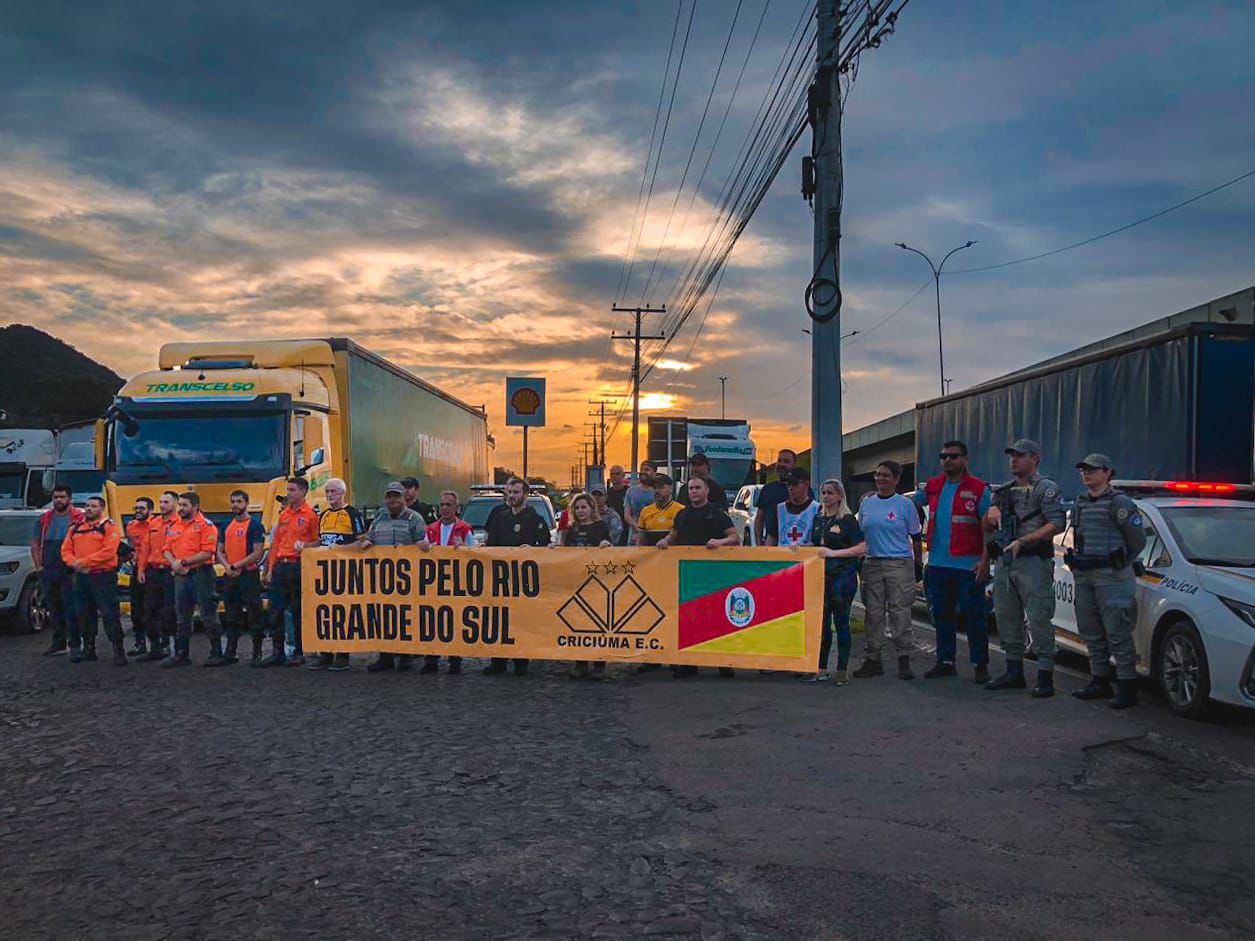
x=723 y=397
x=936 y=269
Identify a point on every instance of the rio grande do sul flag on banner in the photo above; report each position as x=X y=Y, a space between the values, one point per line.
x=731 y=607
x=742 y=607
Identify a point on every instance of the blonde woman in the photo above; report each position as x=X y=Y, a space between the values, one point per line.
x=587 y=530
x=840 y=539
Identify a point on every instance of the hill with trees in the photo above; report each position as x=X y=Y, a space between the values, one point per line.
x=46 y=383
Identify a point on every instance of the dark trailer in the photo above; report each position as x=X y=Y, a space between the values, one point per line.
x=1179 y=405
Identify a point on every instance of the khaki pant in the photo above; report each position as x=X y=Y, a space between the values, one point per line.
x=1024 y=589
x=888 y=592
x=1104 y=619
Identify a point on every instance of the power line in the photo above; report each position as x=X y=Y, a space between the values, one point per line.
x=1115 y=231
x=649 y=154
x=688 y=164
x=662 y=140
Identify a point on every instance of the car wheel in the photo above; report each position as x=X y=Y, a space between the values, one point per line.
x=1182 y=670
x=30 y=617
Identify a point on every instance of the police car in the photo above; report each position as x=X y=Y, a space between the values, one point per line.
x=1195 y=616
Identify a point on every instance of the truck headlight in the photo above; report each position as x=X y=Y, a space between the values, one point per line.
x=8 y=568
x=1243 y=610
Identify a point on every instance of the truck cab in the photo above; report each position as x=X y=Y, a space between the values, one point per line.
x=216 y=422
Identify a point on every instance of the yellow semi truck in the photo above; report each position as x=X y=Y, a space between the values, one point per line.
x=220 y=416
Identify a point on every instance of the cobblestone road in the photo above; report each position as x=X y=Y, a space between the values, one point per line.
x=143 y=803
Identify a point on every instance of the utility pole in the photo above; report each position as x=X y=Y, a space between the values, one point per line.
x=601 y=425
x=598 y=458
x=826 y=297
x=723 y=396
x=636 y=339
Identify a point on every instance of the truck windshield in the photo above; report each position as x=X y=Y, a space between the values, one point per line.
x=202 y=447
x=730 y=474
x=1214 y=535
x=11 y=485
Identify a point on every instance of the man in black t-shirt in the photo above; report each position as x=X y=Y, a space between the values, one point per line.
x=518 y=525
x=701 y=523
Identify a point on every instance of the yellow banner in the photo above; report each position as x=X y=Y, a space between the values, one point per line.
x=728 y=607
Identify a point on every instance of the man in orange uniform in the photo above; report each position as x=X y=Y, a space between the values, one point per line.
x=240 y=550
x=191 y=545
x=298 y=523
x=153 y=572
x=137 y=536
x=90 y=551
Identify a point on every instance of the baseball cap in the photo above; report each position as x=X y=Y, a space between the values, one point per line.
x=1095 y=460
x=798 y=475
x=597 y=492
x=1023 y=446
x=660 y=479
x=410 y=482
x=394 y=487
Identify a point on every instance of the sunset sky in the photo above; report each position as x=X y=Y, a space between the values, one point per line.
x=452 y=184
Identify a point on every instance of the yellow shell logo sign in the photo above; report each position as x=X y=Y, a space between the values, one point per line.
x=525 y=401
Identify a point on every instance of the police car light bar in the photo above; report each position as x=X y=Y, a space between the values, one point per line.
x=1201 y=488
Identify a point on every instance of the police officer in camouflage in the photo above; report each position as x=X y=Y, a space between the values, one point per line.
x=1108 y=534
x=1026 y=514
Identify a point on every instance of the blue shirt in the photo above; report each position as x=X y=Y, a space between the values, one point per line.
x=939 y=547
x=888 y=524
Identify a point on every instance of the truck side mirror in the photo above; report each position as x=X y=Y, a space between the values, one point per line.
x=317 y=457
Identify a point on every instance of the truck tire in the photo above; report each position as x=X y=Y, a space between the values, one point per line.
x=1182 y=672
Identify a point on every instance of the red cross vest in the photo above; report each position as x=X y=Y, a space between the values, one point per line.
x=966 y=537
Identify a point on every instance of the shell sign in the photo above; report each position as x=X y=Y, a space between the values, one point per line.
x=525 y=401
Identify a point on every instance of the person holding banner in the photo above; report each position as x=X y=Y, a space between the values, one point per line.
x=397 y=525
x=338 y=525
x=447 y=530
x=586 y=531
x=701 y=523
x=519 y=525
x=658 y=519
x=840 y=540
x=606 y=513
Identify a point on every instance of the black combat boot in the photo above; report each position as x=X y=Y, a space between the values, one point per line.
x=1045 y=687
x=233 y=645
x=1126 y=694
x=89 y=650
x=257 y=642
x=868 y=668
x=1099 y=688
x=119 y=653
x=1012 y=679
x=904 y=668
x=980 y=675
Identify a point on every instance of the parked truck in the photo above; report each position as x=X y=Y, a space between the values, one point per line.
x=25 y=455
x=726 y=442
x=220 y=416
x=1179 y=405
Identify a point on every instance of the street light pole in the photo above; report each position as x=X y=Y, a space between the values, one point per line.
x=723 y=397
x=936 y=270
